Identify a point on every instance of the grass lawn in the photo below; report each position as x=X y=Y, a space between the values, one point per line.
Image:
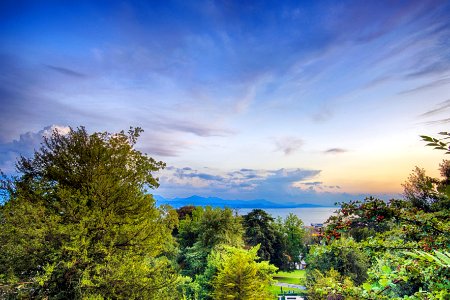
x=293 y=274
x=275 y=290
x=294 y=277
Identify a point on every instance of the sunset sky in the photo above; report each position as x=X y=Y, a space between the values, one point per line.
x=305 y=101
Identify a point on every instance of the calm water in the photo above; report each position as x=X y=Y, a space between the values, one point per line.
x=308 y=215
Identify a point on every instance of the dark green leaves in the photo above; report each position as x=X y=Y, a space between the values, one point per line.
x=439 y=144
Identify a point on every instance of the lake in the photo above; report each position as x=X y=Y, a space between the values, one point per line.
x=308 y=215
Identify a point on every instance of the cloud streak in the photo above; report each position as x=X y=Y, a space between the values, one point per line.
x=335 y=151
x=428 y=86
x=438 y=122
x=441 y=107
x=67 y=72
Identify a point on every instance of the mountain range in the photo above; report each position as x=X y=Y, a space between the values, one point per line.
x=219 y=202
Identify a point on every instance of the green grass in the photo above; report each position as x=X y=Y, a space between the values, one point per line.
x=275 y=290
x=293 y=274
x=294 y=277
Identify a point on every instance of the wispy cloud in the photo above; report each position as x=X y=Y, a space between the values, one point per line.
x=318 y=186
x=335 y=151
x=323 y=115
x=428 y=86
x=202 y=130
x=438 y=122
x=288 y=145
x=66 y=71
x=163 y=144
x=441 y=107
x=376 y=82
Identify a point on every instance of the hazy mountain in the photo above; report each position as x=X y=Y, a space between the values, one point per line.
x=218 y=202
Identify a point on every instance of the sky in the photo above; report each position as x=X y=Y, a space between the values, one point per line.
x=289 y=101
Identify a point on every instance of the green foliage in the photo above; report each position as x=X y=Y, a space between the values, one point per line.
x=361 y=219
x=416 y=275
x=239 y=276
x=185 y=211
x=440 y=144
x=343 y=255
x=79 y=222
x=259 y=229
x=294 y=232
x=289 y=245
x=330 y=285
x=207 y=228
x=441 y=258
x=407 y=241
x=421 y=190
x=396 y=222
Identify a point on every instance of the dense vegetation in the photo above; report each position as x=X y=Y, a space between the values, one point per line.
x=395 y=250
x=79 y=222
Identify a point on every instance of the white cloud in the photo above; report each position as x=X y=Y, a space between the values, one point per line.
x=25 y=146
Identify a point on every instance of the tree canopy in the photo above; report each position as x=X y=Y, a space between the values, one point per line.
x=79 y=222
x=259 y=229
x=239 y=276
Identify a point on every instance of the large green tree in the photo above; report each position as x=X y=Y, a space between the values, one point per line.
x=79 y=222
x=289 y=246
x=259 y=229
x=199 y=234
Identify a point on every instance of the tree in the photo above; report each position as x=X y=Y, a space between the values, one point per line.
x=421 y=190
x=258 y=226
x=207 y=228
x=79 y=222
x=239 y=276
x=289 y=245
x=185 y=211
x=363 y=219
x=343 y=255
x=331 y=286
x=294 y=231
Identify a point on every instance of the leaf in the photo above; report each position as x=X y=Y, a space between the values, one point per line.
x=414 y=255
x=383 y=282
x=386 y=269
x=426 y=138
x=367 y=286
x=444 y=258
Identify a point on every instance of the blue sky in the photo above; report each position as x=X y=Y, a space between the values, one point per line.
x=311 y=101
